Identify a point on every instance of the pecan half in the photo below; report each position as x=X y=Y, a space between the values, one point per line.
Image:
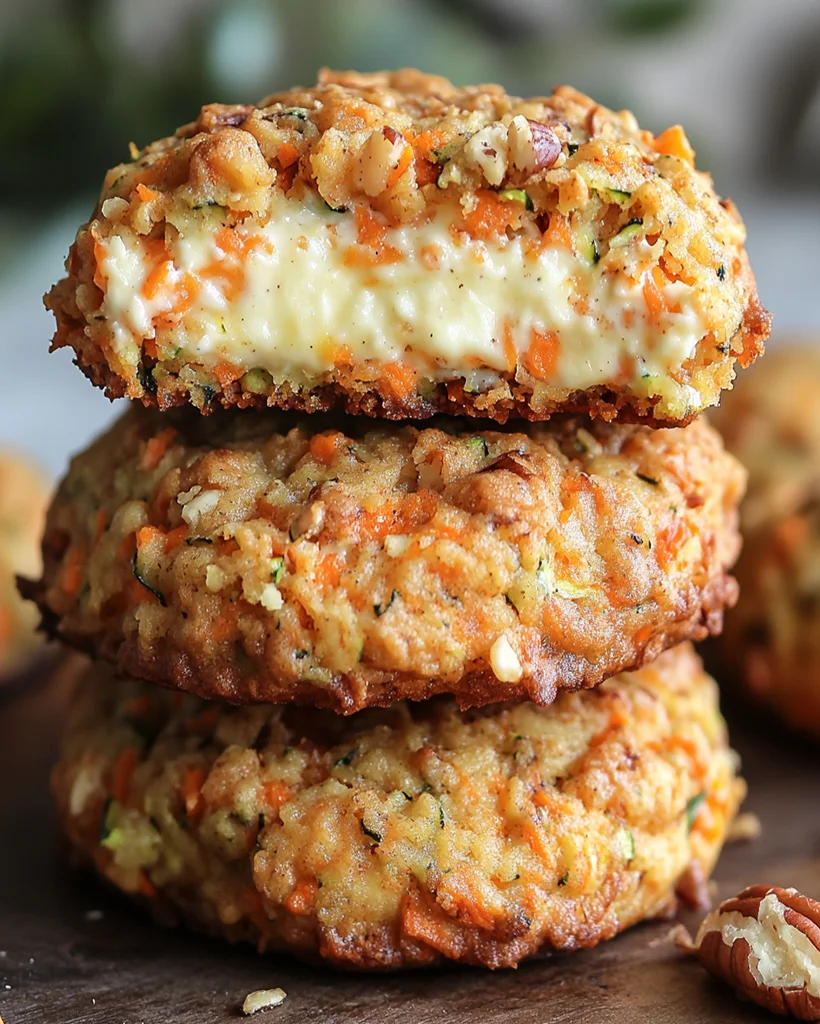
x=765 y=942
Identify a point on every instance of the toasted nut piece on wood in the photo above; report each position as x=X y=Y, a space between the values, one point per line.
x=765 y=942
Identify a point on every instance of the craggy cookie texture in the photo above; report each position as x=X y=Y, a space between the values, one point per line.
x=344 y=563
x=398 y=246
x=402 y=837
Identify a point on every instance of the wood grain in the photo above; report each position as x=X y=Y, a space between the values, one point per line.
x=57 y=966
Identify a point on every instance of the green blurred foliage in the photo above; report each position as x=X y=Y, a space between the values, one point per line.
x=76 y=89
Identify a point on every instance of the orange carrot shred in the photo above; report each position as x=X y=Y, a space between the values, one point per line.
x=673 y=142
x=123 y=772
x=192 y=791
x=72 y=574
x=145 y=887
x=287 y=154
x=301 y=900
x=156 y=447
x=323 y=446
x=541 y=357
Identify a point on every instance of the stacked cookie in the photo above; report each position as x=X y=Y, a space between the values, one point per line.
x=465 y=604
x=772 y=642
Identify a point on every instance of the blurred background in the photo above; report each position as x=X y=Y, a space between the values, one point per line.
x=80 y=79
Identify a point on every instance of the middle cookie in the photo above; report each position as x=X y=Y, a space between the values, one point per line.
x=345 y=564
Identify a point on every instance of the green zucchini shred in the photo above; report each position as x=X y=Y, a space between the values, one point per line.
x=516 y=195
x=693 y=807
x=346 y=759
x=258 y=382
x=371 y=833
x=627 y=844
x=380 y=609
x=479 y=444
x=140 y=579
x=627 y=233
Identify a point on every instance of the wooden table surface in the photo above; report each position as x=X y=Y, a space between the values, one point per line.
x=60 y=964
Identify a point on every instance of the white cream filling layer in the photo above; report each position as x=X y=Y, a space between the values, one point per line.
x=783 y=956
x=289 y=300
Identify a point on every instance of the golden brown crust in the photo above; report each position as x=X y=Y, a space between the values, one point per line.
x=772 y=641
x=405 y=837
x=253 y=558
x=238 y=157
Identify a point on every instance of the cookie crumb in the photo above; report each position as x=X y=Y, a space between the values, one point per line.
x=263 y=999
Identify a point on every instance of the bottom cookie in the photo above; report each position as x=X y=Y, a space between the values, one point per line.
x=401 y=837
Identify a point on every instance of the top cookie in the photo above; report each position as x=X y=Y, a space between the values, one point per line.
x=398 y=246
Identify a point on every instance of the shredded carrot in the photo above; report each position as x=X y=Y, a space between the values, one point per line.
x=100 y=523
x=428 y=924
x=510 y=351
x=192 y=791
x=426 y=173
x=429 y=256
x=157 y=279
x=138 y=707
x=373 y=248
x=490 y=217
x=226 y=373
x=71 y=576
x=536 y=842
x=541 y=358
x=276 y=793
x=287 y=154
x=329 y=571
x=670 y=540
x=404 y=162
x=100 y=279
x=470 y=902
x=339 y=355
x=558 y=232
x=148 y=534
x=653 y=282
x=673 y=142
x=426 y=142
x=145 y=887
x=323 y=447
x=400 y=378
x=543 y=798
x=205 y=722
x=123 y=772
x=175 y=537
x=301 y=900
x=146 y=194
x=155 y=448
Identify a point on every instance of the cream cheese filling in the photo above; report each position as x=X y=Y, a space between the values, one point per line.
x=298 y=295
x=783 y=957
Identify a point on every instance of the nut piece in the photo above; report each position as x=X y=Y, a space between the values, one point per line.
x=533 y=145
x=263 y=999
x=765 y=942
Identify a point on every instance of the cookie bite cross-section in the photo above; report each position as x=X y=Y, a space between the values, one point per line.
x=397 y=246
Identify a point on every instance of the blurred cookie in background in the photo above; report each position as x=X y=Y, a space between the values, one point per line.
x=23 y=499
x=771 y=643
